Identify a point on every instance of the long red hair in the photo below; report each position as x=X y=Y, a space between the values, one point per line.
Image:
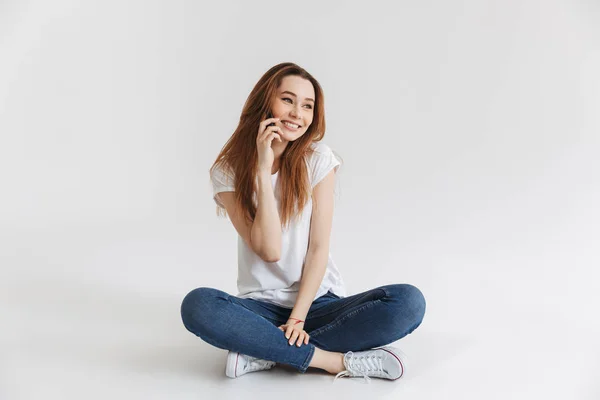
x=239 y=156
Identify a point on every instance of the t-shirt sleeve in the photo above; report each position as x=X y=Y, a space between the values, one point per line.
x=323 y=161
x=221 y=182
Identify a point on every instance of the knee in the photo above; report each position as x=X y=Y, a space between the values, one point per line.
x=410 y=300
x=196 y=306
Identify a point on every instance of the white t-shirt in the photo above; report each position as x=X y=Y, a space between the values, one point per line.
x=278 y=282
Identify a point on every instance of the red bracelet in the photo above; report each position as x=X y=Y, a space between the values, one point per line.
x=299 y=320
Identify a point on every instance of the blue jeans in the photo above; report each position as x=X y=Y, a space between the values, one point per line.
x=363 y=321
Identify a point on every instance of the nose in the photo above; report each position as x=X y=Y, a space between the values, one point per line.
x=295 y=112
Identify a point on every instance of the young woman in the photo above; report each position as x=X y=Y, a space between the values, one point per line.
x=275 y=179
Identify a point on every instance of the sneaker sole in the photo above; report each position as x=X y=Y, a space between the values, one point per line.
x=232 y=362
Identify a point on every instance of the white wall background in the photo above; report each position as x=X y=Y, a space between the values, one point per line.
x=470 y=133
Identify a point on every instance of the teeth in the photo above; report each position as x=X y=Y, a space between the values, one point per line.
x=290 y=125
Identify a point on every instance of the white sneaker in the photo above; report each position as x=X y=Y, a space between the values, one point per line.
x=239 y=364
x=384 y=362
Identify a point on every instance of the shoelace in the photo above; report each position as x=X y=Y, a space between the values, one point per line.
x=255 y=364
x=361 y=366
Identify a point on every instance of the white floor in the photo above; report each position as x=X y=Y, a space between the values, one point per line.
x=88 y=316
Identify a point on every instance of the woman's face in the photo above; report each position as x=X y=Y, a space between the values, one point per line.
x=294 y=104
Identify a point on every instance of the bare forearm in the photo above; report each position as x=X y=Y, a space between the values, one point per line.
x=312 y=276
x=266 y=229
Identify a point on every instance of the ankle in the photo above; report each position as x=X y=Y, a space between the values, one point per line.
x=337 y=364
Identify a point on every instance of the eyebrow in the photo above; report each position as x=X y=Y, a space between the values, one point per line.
x=294 y=94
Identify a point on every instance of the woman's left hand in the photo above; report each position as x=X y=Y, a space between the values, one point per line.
x=294 y=331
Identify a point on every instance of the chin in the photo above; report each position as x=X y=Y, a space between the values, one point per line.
x=296 y=137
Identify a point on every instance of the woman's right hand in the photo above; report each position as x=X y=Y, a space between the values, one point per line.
x=265 y=136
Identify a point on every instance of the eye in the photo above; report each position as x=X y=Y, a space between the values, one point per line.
x=287 y=98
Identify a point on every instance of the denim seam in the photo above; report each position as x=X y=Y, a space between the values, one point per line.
x=339 y=321
x=316 y=314
x=271 y=320
x=309 y=357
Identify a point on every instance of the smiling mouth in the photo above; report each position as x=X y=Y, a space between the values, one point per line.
x=290 y=126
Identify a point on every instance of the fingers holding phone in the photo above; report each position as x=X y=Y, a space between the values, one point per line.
x=267 y=132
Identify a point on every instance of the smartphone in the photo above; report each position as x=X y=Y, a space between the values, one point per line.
x=269 y=115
